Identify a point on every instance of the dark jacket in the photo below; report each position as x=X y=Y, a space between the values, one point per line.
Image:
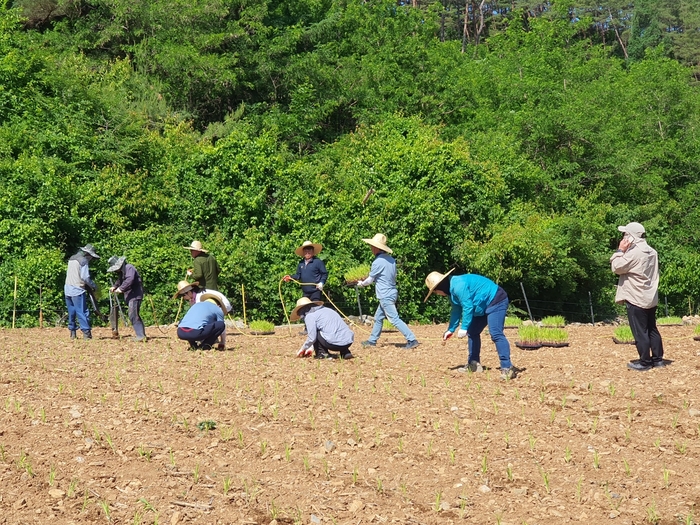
x=313 y=272
x=130 y=283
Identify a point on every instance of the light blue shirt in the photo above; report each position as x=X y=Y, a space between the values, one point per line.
x=74 y=291
x=329 y=324
x=383 y=273
x=201 y=314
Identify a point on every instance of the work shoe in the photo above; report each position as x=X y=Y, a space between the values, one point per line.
x=323 y=355
x=366 y=344
x=411 y=344
x=136 y=339
x=507 y=373
x=72 y=334
x=639 y=367
x=660 y=364
x=87 y=334
x=205 y=347
x=346 y=356
x=475 y=366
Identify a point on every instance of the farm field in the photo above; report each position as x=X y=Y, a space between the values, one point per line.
x=107 y=431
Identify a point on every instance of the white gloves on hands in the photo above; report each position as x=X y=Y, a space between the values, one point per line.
x=462 y=334
x=319 y=286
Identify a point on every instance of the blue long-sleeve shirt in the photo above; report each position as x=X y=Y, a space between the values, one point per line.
x=201 y=314
x=470 y=295
x=383 y=273
x=329 y=324
x=312 y=272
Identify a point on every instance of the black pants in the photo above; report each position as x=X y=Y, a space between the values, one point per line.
x=321 y=346
x=646 y=334
x=206 y=335
x=313 y=294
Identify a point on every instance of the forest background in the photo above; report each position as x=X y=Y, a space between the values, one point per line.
x=503 y=138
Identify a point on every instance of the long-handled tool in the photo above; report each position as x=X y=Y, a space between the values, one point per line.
x=91 y=295
x=113 y=317
x=119 y=306
x=359 y=306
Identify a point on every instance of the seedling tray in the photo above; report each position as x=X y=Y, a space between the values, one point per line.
x=256 y=332
x=555 y=345
x=528 y=346
x=618 y=342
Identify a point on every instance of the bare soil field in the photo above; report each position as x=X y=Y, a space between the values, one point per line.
x=107 y=431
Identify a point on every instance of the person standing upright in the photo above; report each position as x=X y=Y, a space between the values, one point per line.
x=78 y=284
x=311 y=270
x=129 y=283
x=205 y=270
x=637 y=264
x=383 y=274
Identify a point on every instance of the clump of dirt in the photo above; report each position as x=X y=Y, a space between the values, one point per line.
x=126 y=432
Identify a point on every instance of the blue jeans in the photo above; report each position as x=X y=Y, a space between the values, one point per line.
x=78 y=308
x=387 y=310
x=495 y=318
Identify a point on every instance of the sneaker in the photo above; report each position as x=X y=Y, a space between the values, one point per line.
x=205 y=347
x=475 y=366
x=346 y=356
x=507 y=373
x=411 y=344
x=365 y=344
x=323 y=356
x=72 y=334
x=138 y=339
x=661 y=363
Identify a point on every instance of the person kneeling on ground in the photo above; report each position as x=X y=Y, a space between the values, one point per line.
x=129 y=283
x=203 y=323
x=193 y=294
x=326 y=330
x=478 y=302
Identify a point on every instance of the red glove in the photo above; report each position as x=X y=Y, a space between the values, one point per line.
x=446 y=335
x=287 y=278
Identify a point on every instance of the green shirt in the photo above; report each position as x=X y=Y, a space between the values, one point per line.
x=206 y=271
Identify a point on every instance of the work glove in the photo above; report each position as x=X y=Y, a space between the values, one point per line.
x=112 y=289
x=319 y=286
x=287 y=278
x=462 y=334
x=360 y=284
x=446 y=335
x=304 y=352
x=189 y=271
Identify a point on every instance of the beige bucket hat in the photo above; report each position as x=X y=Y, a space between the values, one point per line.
x=433 y=279
x=211 y=297
x=183 y=287
x=301 y=303
x=196 y=246
x=317 y=248
x=379 y=241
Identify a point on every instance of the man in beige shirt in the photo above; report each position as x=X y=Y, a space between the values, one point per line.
x=637 y=264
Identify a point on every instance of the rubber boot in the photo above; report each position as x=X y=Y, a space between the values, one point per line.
x=87 y=334
x=72 y=334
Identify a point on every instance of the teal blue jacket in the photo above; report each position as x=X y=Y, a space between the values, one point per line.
x=470 y=295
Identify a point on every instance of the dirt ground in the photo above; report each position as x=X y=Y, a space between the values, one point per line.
x=107 y=431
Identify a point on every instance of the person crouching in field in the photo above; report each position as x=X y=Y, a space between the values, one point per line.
x=326 y=330
x=129 y=283
x=193 y=294
x=477 y=301
x=203 y=323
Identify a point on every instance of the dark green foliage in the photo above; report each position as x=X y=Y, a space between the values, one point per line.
x=253 y=126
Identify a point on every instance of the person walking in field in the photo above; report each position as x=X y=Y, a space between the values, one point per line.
x=130 y=284
x=477 y=302
x=637 y=264
x=77 y=286
x=326 y=330
x=205 y=270
x=383 y=274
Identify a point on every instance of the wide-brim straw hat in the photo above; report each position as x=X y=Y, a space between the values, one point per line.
x=211 y=297
x=317 y=248
x=183 y=287
x=196 y=246
x=433 y=279
x=90 y=250
x=379 y=241
x=301 y=303
x=115 y=263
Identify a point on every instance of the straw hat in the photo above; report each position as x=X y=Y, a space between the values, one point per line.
x=90 y=250
x=115 y=263
x=317 y=248
x=183 y=287
x=213 y=298
x=196 y=246
x=433 y=279
x=301 y=303
x=379 y=241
